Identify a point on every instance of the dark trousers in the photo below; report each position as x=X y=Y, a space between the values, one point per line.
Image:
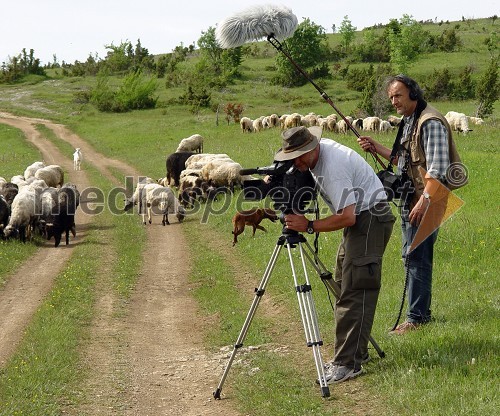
x=358 y=274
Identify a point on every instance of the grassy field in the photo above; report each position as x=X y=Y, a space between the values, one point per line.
x=450 y=368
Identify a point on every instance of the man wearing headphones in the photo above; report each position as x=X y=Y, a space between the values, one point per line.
x=422 y=141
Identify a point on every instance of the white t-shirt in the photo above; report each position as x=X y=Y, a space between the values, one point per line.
x=345 y=178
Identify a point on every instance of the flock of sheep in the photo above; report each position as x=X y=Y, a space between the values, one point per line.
x=38 y=201
x=458 y=122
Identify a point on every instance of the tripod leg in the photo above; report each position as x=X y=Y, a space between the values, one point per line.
x=309 y=319
x=327 y=278
x=259 y=292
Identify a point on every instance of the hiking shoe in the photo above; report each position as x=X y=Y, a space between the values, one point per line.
x=330 y=368
x=405 y=327
x=343 y=373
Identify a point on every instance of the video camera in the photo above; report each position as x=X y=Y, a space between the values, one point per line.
x=290 y=189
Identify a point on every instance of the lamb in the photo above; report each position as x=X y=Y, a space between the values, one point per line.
x=252 y=217
x=31 y=169
x=24 y=211
x=161 y=200
x=458 y=121
x=77 y=159
x=475 y=120
x=246 y=125
x=68 y=200
x=192 y=143
x=175 y=164
x=53 y=175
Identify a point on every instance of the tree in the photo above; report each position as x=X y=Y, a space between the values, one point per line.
x=308 y=49
x=406 y=38
x=347 y=31
x=488 y=90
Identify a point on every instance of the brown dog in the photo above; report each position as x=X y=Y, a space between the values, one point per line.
x=251 y=217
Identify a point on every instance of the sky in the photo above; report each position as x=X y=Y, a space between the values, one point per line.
x=73 y=30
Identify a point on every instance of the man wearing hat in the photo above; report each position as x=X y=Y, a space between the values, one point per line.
x=359 y=207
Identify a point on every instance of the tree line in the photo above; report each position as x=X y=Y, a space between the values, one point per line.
x=201 y=71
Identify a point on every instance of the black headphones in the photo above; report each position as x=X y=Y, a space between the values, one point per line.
x=416 y=92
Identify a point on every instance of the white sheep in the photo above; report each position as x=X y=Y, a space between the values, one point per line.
x=293 y=120
x=137 y=196
x=53 y=175
x=226 y=174
x=341 y=127
x=385 y=126
x=458 y=121
x=24 y=211
x=371 y=124
x=199 y=160
x=246 y=125
x=161 y=200
x=31 y=169
x=19 y=181
x=475 y=120
x=192 y=143
x=77 y=159
x=257 y=124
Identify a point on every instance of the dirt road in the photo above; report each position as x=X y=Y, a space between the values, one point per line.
x=149 y=358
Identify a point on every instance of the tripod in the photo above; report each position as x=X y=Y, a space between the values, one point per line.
x=293 y=239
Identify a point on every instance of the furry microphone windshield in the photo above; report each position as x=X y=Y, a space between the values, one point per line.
x=256 y=23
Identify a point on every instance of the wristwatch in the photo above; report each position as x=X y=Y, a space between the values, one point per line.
x=310 y=227
x=426 y=196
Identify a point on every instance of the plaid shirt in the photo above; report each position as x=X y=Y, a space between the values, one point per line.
x=434 y=140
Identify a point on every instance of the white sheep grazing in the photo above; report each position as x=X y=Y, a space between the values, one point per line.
x=246 y=125
x=77 y=159
x=24 y=210
x=385 y=126
x=458 y=121
x=192 y=143
x=257 y=124
x=226 y=174
x=199 y=160
x=293 y=120
x=161 y=200
x=273 y=120
x=31 y=169
x=309 y=120
x=341 y=127
x=53 y=175
x=476 y=120
x=371 y=124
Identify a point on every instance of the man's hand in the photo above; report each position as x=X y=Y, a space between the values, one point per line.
x=367 y=144
x=418 y=211
x=296 y=222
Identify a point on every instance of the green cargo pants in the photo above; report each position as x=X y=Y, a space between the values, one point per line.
x=358 y=274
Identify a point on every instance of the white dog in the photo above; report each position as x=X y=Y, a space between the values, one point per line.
x=77 y=158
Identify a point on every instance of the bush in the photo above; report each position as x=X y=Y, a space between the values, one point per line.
x=135 y=93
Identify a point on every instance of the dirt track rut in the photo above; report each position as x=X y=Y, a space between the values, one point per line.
x=147 y=361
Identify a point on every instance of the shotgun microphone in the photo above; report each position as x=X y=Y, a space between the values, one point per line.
x=256 y=23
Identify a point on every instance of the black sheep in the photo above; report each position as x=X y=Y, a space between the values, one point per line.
x=4 y=214
x=68 y=199
x=176 y=163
